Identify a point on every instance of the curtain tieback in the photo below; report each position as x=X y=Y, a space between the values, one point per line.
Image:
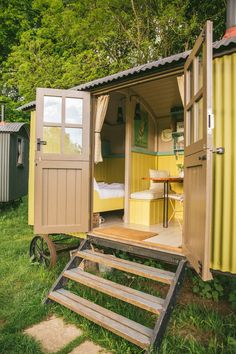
x=97 y=132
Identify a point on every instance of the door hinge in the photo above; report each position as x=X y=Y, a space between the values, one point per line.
x=200 y=268
x=219 y=150
x=211 y=121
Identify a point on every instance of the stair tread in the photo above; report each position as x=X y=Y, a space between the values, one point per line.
x=120 y=325
x=138 y=298
x=128 y=266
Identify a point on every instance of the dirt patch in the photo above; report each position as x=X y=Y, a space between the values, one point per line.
x=2 y=323
x=188 y=297
x=200 y=335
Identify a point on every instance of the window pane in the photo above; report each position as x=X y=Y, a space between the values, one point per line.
x=52 y=136
x=20 y=151
x=190 y=127
x=74 y=109
x=190 y=88
x=199 y=70
x=52 y=109
x=73 y=141
x=199 y=119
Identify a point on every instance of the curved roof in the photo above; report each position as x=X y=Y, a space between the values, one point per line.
x=172 y=60
x=14 y=127
x=220 y=47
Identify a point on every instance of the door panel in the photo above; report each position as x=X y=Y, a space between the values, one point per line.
x=62 y=166
x=198 y=154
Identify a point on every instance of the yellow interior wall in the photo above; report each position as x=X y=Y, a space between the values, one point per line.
x=140 y=164
x=31 y=168
x=110 y=170
x=169 y=163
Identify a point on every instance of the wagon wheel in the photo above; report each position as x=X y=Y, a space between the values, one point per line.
x=43 y=250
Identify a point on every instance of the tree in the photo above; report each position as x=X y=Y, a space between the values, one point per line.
x=16 y=16
x=68 y=42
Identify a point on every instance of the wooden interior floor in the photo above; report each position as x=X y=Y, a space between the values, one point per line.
x=171 y=236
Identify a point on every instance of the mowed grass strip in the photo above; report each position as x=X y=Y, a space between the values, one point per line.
x=194 y=328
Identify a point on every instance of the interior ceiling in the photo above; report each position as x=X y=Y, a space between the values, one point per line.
x=161 y=95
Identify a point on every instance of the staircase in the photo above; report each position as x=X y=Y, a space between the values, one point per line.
x=134 y=332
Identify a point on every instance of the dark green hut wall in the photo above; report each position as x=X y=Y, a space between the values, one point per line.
x=4 y=166
x=18 y=176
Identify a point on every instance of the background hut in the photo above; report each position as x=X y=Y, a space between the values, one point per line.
x=14 y=160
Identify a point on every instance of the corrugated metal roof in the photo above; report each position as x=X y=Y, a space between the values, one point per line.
x=27 y=106
x=134 y=71
x=173 y=60
x=12 y=127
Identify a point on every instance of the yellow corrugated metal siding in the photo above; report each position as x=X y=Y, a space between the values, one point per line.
x=224 y=190
x=110 y=170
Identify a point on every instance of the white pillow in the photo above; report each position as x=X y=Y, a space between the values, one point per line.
x=95 y=185
x=157 y=174
x=147 y=194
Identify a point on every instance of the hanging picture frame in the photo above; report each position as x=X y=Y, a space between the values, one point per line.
x=140 y=127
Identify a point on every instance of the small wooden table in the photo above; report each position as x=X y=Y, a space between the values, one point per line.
x=166 y=181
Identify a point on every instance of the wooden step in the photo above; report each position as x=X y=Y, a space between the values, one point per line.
x=127 y=266
x=122 y=326
x=132 y=296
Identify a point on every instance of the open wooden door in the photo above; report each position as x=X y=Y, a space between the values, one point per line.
x=198 y=154
x=62 y=164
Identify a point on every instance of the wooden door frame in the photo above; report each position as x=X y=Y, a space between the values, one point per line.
x=126 y=89
x=203 y=145
x=128 y=143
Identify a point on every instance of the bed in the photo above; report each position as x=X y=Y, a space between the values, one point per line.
x=108 y=196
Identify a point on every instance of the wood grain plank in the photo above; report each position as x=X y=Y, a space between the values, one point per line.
x=128 y=329
x=130 y=267
x=78 y=200
x=61 y=193
x=132 y=296
x=71 y=197
x=52 y=196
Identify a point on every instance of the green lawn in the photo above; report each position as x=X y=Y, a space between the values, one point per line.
x=197 y=325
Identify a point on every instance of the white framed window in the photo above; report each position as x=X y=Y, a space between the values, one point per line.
x=20 y=152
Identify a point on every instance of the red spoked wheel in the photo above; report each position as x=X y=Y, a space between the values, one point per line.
x=43 y=251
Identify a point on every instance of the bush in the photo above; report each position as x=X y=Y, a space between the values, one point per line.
x=212 y=290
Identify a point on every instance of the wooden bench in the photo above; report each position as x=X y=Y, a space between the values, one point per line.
x=146 y=212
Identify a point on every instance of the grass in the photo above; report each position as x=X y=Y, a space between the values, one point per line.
x=197 y=325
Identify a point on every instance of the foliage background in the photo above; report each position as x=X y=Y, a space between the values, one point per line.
x=62 y=43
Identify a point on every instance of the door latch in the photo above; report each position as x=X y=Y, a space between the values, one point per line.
x=39 y=143
x=211 y=121
x=219 y=150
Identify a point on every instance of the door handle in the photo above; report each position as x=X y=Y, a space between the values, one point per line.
x=202 y=158
x=39 y=143
x=219 y=150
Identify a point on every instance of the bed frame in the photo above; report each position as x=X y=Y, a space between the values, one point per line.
x=101 y=205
